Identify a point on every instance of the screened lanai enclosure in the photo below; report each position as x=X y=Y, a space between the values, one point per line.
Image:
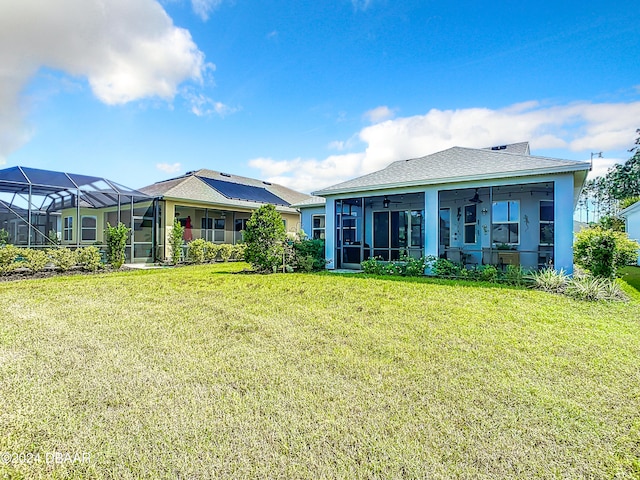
x=44 y=208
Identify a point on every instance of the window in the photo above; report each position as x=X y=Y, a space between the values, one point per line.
x=317 y=229
x=68 y=229
x=445 y=227
x=398 y=233
x=89 y=228
x=506 y=221
x=546 y=222
x=218 y=229
x=470 y=219
x=241 y=224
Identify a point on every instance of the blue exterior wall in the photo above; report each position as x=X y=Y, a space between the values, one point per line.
x=306 y=217
x=563 y=195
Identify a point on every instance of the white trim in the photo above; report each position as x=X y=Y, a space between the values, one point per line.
x=449 y=180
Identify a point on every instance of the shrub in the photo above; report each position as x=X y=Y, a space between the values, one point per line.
x=550 y=280
x=515 y=275
x=237 y=252
x=603 y=251
x=89 y=258
x=211 y=251
x=373 y=266
x=196 y=251
x=264 y=237
x=116 y=243
x=488 y=273
x=4 y=236
x=309 y=255
x=446 y=268
x=175 y=242
x=225 y=251
x=34 y=260
x=406 y=266
x=63 y=258
x=590 y=288
x=8 y=256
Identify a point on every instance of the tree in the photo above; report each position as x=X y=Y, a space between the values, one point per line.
x=602 y=195
x=175 y=241
x=117 y=243
x=265 y=236
x=603 y=251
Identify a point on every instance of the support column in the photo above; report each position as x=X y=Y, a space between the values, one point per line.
x=330 y=233
x=563 y=223
x=431 y=218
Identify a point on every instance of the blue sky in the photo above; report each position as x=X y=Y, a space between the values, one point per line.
x=309 y=93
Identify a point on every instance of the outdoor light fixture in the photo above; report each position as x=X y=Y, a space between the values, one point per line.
x=485 y=211
x=476 y=198
x=386 y=202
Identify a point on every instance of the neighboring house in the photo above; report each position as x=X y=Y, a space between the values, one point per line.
x=499 y=205
x=216 y=205
x=39 y=208
x=631 y=215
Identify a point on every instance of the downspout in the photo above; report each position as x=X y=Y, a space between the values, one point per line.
x=77 y=218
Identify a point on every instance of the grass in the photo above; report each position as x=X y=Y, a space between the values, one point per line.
x=197 y=373
x=631 y=276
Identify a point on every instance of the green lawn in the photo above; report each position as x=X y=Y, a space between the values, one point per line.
x=632 y=276
x=196 y=373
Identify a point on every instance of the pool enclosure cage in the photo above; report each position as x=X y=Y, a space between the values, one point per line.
x=44 y=208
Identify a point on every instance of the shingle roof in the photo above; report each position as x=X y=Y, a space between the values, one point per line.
x=455 y=165
x=193 y=186
x=311 y=202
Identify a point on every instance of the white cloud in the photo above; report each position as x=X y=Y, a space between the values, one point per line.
x=579 y=127
x=126 y=50
x=203 y=8
x=379 y=114
x=361 y=4
x=169 y=167
x=202 y=106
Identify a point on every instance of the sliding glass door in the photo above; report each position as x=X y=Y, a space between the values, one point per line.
x=398 y=233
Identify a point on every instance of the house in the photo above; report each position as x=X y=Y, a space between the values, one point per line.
x=215 y=206
x=631 y=216
x=39 y=208
x=499 y=205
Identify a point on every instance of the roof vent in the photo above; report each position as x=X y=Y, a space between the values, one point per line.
x=266 y=183
x=190 y=173
x=225 y=174
x=499 y=147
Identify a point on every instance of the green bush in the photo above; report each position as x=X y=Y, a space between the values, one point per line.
x=550 y=280
x=63 y=258
x=116 y=243
x=89 y=258
x=264 y=237
x=446 y=268
x=211 y=251
x=488 y=273
x=627 y=202
x=225 y=251
x=175 y=242
x=515 y=275
x=4 y=236
x=34 y=260
x=196 y=251
x=309 y=255
x=8 y=256
x=603 y=251
x=237 y=252
x=405 y=267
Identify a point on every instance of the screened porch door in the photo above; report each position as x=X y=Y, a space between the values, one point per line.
x=142 y=247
